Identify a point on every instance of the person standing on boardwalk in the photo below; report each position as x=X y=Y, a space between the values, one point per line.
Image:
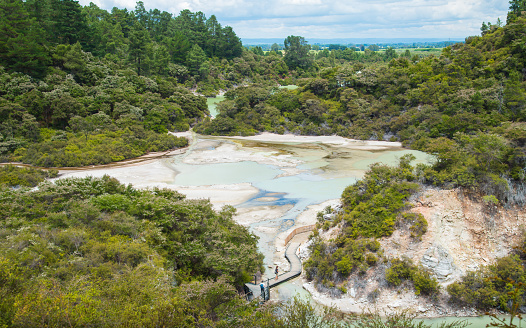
x=276 y=272
x=262 y=289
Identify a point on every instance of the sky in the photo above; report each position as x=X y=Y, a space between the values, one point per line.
x=455 y=19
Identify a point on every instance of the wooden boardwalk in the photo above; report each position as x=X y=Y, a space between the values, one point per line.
x=295 y=270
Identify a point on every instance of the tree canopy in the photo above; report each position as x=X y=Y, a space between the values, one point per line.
x=297 y=52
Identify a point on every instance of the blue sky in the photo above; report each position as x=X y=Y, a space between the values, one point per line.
x=338 y=19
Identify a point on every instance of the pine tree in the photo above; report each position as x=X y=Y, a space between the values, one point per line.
x=138 y=51
x=195 y=58
x=229 y=44
x=214 y=33
x=178 y=47
x=142 y=16
x=97 y=20
x=297 y=52
x=515 y=96
x=69 y=24
x=517 y=7
x=22 y=46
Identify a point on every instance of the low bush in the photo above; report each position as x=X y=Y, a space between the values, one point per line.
x=494 y=286
x=417 y=222
x=93 y=252
x=371 y=208
x=102 y=148
x=404 y=270
x=13 y=176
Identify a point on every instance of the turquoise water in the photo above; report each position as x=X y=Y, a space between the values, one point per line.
x=393 y=157
x=224 y=173
x=289 y=87
x=474 y=322
x=212 y=104
x=314 y=188
x=323 y=176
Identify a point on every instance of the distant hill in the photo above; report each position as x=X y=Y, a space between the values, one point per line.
x=346 y=41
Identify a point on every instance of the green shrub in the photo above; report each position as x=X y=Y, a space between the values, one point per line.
x=404 y=269
x=97 y=253
x=374 y=202
x=112 y=203
x=104 y=147
x=371 y=259
x=344 y=266
x=418 y=224
x=371 y=208
x=12 y=176
x=493 y=286
x=400 y=270
x=424 y=283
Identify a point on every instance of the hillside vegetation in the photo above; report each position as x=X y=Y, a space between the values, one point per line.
x=87 y=252
x=372 y=208
x=82 y=86
x=93 y=252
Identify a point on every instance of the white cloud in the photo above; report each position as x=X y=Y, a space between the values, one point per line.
x=302 y=2
x=338 y=19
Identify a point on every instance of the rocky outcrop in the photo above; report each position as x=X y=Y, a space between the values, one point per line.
x=462 y=235
x=438 y=260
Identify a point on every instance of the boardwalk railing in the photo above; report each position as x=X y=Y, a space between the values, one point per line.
x=253 y=290
x=299 y=230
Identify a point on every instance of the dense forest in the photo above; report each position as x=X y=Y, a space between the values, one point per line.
x=82 y=86
x=94 y=252
x=110 y=86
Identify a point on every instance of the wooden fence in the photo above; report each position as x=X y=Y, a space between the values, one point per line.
x=299 y=230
